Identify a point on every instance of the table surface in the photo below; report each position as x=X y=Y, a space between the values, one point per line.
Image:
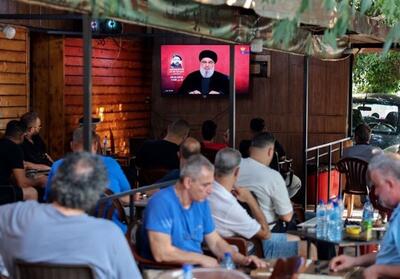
x=347 y=240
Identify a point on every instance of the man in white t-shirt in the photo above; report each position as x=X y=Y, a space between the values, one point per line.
x=232 y=219
x=272 y=195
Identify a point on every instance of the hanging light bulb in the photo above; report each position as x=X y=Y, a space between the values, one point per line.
x=9 y=32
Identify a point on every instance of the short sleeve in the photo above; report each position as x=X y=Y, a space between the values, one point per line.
x=117 y=179
x=47 y=190
x=280 y=198
x=240 y=221
x=158 y=217
x=16 y=161
x=208 y=221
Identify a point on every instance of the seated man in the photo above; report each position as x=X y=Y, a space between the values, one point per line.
x=384 y=172
x=189 y=147
x=14 y=185
x=362 y=149
x=61 y=232
x=178 y=219
x=34 y=148
x=163 y=153
x=257 y=126
x=231 y=219
x=208 y=132
x=117 y=181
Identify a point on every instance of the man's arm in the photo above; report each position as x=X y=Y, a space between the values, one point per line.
x=219 y=246
x=24 y=182
x=343 y=261
x=382 y=271
x=163 y=251
x=33 y=166
x=245 y=195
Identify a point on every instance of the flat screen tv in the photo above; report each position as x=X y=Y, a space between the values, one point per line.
x=203 y=70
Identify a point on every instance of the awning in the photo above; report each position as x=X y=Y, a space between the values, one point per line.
x=216 y=20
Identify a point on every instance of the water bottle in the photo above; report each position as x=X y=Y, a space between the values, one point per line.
x=338 y=229
x=367 y=217
x=321 y=220
x=187 y=271
x=227 y=262
x=105 y=145
x=329 y=215
x=333 y=217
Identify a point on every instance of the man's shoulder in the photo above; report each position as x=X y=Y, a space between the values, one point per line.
x=220 y=75
x=161 y=196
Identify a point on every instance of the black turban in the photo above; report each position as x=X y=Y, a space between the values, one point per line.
x=209 y=54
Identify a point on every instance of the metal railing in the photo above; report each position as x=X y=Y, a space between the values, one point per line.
x=318 y=152
x=132 y=193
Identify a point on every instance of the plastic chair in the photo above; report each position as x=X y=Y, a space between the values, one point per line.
x=245 y=246
x=25 y=270
x=355 y=171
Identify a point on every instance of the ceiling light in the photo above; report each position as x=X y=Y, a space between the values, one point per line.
x=9 y=32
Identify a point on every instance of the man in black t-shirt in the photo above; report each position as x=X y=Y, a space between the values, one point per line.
x=12 y=166
x=33 y=146
x=164 y=153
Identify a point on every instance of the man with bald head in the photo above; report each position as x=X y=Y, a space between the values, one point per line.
x=206 y=81
x=189 y=147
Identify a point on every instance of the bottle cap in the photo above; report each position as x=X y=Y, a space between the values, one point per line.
x=321 y=202
x=227 y=254
x=187 y=267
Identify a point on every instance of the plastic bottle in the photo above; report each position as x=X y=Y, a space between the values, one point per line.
x=329 y=216
x=338 y=228
x=367 y=218
x=321 y=220
x=227 y=262
x=187 y=271
x=105 y=141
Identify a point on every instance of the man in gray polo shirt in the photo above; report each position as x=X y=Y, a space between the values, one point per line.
x=62 y=232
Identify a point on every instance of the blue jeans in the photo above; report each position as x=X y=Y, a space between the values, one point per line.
x=279 y=247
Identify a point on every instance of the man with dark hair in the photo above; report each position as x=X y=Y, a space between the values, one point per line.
x=257 y=126
x=61 y=232
x=208 y=132
x=163 y=153
x=231 y=219
x=12 y=165
x=34 y=148
x=384 y=172
x=178 y=219
x=117 y=181
x=205 y=81
x=362 y=149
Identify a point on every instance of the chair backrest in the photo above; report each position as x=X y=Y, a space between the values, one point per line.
x=355 y=171
x=107 y=209
x=133 y=237
x=24 y=270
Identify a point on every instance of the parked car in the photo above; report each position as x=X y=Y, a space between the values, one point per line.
x=380 y=112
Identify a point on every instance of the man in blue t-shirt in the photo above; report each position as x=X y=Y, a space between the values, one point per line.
x=117 y=179
x=384 y=172
x=178 y=219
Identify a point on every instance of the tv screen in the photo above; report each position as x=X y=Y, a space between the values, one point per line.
x=203 y=70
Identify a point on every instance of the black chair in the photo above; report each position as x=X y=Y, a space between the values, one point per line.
x=25 y=270
x=355 y=171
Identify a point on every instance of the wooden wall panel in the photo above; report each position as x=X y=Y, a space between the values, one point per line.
x=14 y=76
x=120 y=69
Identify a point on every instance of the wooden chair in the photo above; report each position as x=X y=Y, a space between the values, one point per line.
x=24 y=270
x=133 y=237
x=245 y=246
x=107 y=209
x=355 y=171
